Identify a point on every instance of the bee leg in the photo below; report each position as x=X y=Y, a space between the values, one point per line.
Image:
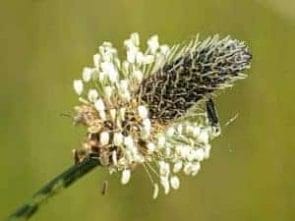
x=213 y=116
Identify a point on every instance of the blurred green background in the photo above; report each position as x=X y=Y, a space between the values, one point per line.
x=44 y=46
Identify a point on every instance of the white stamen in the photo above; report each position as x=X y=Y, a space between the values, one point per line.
x=114 y=158
x=122 y=113
x=99 y=105
x=156 y=191
x=118 y=139
x=92 y=95
x=96 y=60
x=126 y=174
x=87 y=74
x=153 y=43
x=151 y=147
x=170 y=131
x=204 y=136
x=165 y=183
x=148 y=59
x=113 y=113
x=207 y=149
x=187 y=168
x=177 y=167
x=104 y=138
x=78 y=86
x=110 y=70
x=195 y=168
x=128 y=142
x=161 y=142
x=134 y=37
x=164 y=49
x=125 y=67
x=164 y=168
x=108 y=91
x=131 y=56
x=139 y=57
x=179 y=129
x=124 y=85
x=174 y=181
x=147 y=125
x=142 y=111
x=199 y=154
x=102 y=114
x=196 y=131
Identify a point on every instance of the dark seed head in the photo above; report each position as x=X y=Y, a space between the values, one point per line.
x=197 y=72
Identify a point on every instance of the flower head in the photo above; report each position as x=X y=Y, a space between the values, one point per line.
x=144 y=110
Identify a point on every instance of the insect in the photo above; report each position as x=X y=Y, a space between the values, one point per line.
x=212 y=115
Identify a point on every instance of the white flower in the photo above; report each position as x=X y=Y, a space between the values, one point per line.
x=121 y=124
x=78 y=86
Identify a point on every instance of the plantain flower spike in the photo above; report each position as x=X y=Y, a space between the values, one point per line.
x=147 y=109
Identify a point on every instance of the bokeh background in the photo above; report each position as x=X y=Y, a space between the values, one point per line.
x=44 y=46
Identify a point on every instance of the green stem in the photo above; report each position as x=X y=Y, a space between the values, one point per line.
x=57 y=184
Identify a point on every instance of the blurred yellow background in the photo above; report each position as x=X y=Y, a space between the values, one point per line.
x=44 y=46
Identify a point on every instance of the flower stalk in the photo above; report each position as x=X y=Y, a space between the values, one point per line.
x=53 y=187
